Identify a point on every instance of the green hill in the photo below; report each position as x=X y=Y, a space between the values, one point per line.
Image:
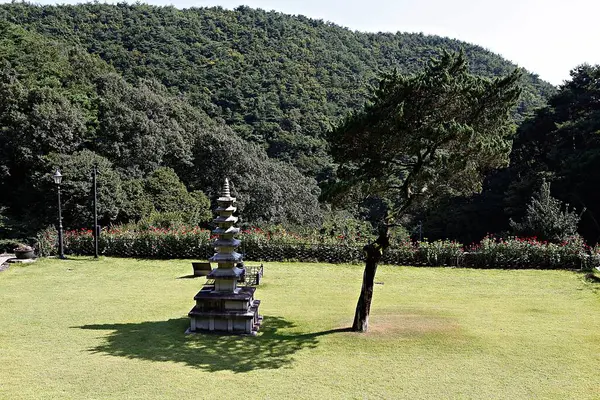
x=184 y=98
x=63 y=107
x=278 y=80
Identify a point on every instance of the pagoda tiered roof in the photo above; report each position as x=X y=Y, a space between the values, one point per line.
x=227 y=243
x=222 y=219
x=226 y=257
x=228 y=209
x=229 y=231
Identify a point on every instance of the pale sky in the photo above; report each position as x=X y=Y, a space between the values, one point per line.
x=547 y=37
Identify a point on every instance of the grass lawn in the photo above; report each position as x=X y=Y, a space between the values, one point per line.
x=114 y=328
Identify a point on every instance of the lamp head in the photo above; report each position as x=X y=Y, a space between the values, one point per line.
x=57 y=177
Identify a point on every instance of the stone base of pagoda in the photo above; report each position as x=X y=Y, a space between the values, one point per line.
x=225 y=312
x=226 y=322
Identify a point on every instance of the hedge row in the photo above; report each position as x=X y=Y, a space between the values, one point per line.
x=259 y=246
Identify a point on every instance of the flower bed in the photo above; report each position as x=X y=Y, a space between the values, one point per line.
x=529 y=253
x=282 y=245
x=151 y=243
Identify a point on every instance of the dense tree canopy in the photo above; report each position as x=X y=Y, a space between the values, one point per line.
x=62 y=107
x=146 y=88
x=278 y=80
x=209 y=92
x=267 y=190
x=560 y=144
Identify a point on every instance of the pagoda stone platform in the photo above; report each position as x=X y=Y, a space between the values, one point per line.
x=225 y=312
x=224 y=307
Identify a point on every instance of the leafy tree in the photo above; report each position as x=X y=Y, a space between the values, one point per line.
x=138 y=204
x=169 y=194
x=143 y=127
x=468 y=218
x=341 y=223
x=268 y=191
x=546 y=219
x=4 y=224
x=422 y=136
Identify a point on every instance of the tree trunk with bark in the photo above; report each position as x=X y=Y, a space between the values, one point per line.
x=374 y=252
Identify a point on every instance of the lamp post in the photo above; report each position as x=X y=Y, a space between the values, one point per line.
x=96 y=231
x=61 y=251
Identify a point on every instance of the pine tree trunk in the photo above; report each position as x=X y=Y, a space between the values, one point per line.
x=374 y=252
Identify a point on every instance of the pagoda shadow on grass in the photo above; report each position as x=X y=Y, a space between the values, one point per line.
x=224 y=307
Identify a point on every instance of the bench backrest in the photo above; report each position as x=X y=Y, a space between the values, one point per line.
x=201 y=268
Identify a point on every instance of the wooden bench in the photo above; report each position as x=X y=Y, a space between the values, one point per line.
x=253 y=275
x=201 y=268
x=250 y=277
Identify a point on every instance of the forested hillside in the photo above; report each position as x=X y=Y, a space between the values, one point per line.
x=278 y=80
x=61 y=106
x=168 y=102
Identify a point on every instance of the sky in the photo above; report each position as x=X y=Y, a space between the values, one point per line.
x=547 y=37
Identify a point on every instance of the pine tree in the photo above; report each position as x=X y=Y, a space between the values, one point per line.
x=546 y=218
x=422 y=136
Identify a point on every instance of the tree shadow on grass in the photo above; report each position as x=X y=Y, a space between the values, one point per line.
x=273 y=348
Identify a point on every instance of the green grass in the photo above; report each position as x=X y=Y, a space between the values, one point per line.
x=114 y=328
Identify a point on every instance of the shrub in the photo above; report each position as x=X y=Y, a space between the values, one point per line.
x=162 y=220
x=546 y=219
x=440 y=252
x=152 y=243
x=278 y=244
x=517 y=252
x=402 y=253
x=46 y=243
x=8 y=245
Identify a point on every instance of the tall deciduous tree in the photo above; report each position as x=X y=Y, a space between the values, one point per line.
x=169 y=194
x=436 y=132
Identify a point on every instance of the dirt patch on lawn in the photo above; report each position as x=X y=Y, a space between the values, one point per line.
x=412 y=324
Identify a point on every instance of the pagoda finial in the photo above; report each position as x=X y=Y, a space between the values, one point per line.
x=226 y=192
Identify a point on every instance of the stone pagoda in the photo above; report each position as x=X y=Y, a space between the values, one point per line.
x=223 y=307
